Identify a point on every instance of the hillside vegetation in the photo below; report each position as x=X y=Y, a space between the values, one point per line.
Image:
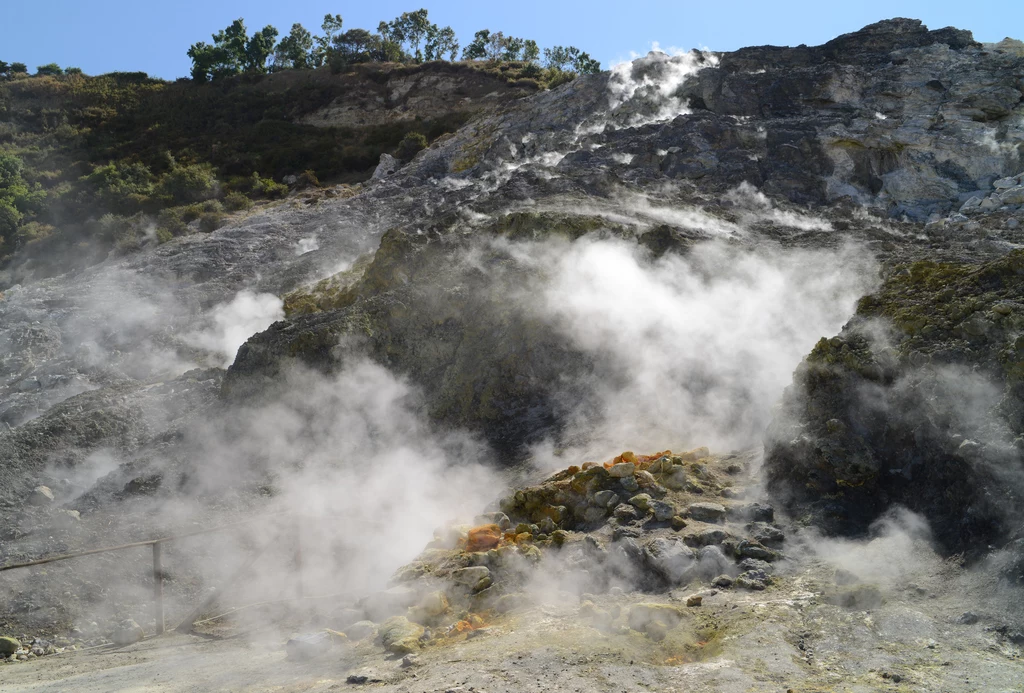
x=116 y=161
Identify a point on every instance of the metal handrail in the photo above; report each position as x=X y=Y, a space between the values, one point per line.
x=158 y=576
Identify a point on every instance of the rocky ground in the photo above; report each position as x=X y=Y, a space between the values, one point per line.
x=648 y=593
x=190 y=385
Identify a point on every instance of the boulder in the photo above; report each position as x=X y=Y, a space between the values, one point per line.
x=386 y=166
x=605 y=499
x=127 y=632
x=40 y=496
x=641 y=502
x=622 y=470
x=706 y=512
x=476 y=578
x=662 y=511
x=671 y=559
x=1013 y=196
x=361 y=629
x=711 y=561
x=9 y=645
x=400 y=636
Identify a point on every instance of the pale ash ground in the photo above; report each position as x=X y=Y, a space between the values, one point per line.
x=784 y=638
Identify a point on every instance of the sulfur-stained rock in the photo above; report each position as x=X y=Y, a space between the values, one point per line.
x=400 y=636
x=641 y=502
x=8 y=646
x=675 y=478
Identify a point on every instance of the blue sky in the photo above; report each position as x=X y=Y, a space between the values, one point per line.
x=105 y=35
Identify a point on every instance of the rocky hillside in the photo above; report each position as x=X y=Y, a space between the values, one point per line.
x=823 y=243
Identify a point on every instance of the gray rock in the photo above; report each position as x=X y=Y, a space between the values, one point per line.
x=1013 y=196
x=750 y=549
x=663 y=511
x=671 y=559
x=361 y=629
x=972 y=205
x=622 y=470
x=41 y=495
x=626 y=513
x=711 y=536
x=386 y=166
x=722 y=581
x=748 y=564
x=475 y=578
x=706 y=512
x=127 y=633
x=753 y=580
x=494 y=518
x=605 y=499
x=711 y=561
x=767 y=534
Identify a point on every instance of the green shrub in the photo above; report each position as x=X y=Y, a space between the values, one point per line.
x=212 y=207
x=308 y=179
x=266 y=187
x=193 y=183
x=559 y=77
x=163 y=235
x=120 y=186
x=124 y=233
x=211 y=221
x=237 y=202
x=410 y=146
x=170 y=221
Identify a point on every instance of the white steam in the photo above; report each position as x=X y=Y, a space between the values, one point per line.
x=232 y=323
x=353 y=456
x=691 y=350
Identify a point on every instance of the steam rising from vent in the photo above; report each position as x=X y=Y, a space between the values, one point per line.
x=232 y=323
x=690 y=349
x=353 y=450
x=646 y=90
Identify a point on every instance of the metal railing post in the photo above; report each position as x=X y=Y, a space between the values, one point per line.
x=158 y=588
